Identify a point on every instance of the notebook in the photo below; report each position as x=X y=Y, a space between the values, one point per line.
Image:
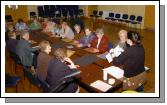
x=100 y=85
x=70 y=53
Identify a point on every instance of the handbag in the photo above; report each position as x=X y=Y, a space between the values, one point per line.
x=134 y=82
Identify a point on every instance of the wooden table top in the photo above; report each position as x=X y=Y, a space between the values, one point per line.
x=89 y=73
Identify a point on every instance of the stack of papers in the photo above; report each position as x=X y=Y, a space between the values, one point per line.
x=114 y=71
x=117 y=51
x=101 y=85
x=109 y=57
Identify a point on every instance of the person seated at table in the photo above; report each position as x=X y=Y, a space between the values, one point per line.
x=43 y=60
x=44 y=23
x=66 y=31
x=79 y=33
x=132 y=59
x=121 y=44
x=50 y=26
x=25 y=51
x=8 y=29
x=11 y=42
x=86 y=39
x=100 y=43
x=35 y=25
x=20 y=25
x=59 y=67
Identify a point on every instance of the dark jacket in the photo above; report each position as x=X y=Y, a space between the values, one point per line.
x=24 y=51
x=132 y=60
x=56 y=71
x=42 y=65
x=11 y=45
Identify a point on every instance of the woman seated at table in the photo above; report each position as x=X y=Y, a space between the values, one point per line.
x=79 y=33
x=20 y=25
x=59 y=67
x=43 y=60
x=132 y=60
x=86 y=39
x=100 y=43
x=120 y=45
x=66 y=31
x=50 y=26
x=35 y=25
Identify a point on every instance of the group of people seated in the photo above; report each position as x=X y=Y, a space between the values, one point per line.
x=52 y=68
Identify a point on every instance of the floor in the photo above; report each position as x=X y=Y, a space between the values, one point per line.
x=111 y=31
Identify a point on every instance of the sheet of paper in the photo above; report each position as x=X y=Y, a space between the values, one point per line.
x=70 y=46
x=70 y=53
x=102 y=56
x=114 y=71
x=36 y=47
x=109 y=57
x=117 y=51
x=101 y=85
x=146 y=68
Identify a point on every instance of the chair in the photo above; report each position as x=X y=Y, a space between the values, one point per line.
x=8 y=18
x=100 y=14
x=94 y=13
x=16 y=59
x=124 y=18
x=131 y=18
x=71 y=13
x=52 y=11
x=110 y=45
x=80 y=12
x=64 y=12
x=40 y=11
x=117 y=16
x=32 y=14
x=111 y=16
x=11 y=81
x=138 y=21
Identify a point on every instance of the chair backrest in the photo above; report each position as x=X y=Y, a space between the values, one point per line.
x=32 y=78
x=132 y=17
x=94 y=12
x=139 y=19
x=125 y=16
x=111 y=14
x=100 y=13
x=44 y=85
x=15 y=57
x=8 y=18
x=117 y=15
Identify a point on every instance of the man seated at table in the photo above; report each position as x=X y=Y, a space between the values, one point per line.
x=25 y=51
x=43 y=60
x=100 y=43
x=11 y=42
x=66 y=31
x=59 y=67
x=35 y=25
x=86 y=39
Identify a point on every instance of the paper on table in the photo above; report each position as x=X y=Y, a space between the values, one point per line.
x=117 y=51
x=70 y=47
x=146 y=68
x=101 y=85
x=109 y=57
x=70 y=53
x=114 y=71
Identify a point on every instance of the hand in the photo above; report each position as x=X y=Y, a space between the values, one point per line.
x=68 y=60
x=111 y=50
x=79 y=45
x=89 y=45
x=95 y=50
x=76 y=42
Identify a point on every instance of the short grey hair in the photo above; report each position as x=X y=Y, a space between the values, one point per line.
x=100 y=30
x=23 y=33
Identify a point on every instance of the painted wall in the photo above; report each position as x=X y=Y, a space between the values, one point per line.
x=32 y=8
x=21 y=12
x=149 y=21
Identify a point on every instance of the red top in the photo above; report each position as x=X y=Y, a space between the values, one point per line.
x=44 y=24
x=103 y=45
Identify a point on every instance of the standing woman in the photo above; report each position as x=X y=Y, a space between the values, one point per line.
x=132 y=59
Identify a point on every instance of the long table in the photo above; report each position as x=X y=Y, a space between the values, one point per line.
x=89 y=73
